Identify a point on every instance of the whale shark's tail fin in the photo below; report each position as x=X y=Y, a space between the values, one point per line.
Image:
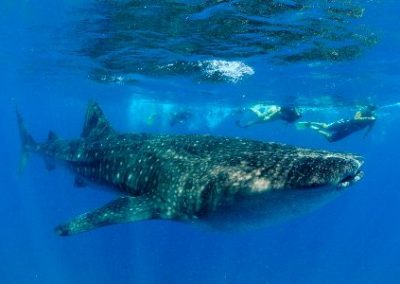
x=27 y=142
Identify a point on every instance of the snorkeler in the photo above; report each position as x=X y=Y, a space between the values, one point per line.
x=267 y=113
x=364 y=118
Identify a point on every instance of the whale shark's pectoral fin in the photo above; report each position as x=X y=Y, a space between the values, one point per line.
x=121 y=210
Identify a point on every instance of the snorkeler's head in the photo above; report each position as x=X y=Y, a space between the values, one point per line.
x=290 y=113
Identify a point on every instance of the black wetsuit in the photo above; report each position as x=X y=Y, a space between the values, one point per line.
x=344 y=127
x=289 y=114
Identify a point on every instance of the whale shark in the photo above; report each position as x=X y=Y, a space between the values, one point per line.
x=219 y=182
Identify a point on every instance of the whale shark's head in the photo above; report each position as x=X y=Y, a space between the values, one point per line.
x=322 y=169
x=299 y=170
x=273 y=189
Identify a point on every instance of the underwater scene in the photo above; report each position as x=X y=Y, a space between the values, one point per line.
x=187 y=141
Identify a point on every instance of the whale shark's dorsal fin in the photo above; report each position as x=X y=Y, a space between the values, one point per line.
x=96 y=124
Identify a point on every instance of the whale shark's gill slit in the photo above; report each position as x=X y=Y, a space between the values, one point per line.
x=206 y=199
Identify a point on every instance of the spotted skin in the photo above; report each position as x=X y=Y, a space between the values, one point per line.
x=221 y=182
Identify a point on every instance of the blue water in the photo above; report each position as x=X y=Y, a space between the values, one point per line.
x=143 y=60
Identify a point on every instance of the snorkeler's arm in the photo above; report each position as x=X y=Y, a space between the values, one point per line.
x=369 y=118
x=364 y=118
x=360 y=116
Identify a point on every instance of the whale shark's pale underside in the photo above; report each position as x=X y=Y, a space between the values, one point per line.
x=222 y=182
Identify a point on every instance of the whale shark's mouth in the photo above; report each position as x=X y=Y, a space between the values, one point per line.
x=350 y=179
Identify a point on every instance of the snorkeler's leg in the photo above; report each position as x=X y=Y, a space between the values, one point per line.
x=321 y=128
x=325 y=133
